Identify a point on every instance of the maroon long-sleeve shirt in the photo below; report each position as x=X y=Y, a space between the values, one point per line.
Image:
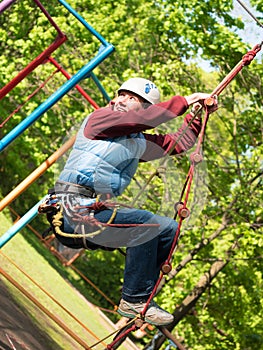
x=106 y=123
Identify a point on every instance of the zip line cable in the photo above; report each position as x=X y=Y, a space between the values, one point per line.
x=250 y=13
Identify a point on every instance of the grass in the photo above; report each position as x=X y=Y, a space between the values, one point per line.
x=20 y=259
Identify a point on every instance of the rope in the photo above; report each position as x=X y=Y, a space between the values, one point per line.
x=247 y=58
x=117 y=331
x=122 y=335
x=57 y=222
x=28 y=98
x=162 y=162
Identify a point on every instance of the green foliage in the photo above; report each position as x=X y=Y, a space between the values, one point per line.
x=162 y=41
x=97 y=265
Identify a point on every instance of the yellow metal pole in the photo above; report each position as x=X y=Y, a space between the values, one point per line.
x=36 y=174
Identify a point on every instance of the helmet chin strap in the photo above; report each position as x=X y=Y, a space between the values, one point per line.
x=146 y=104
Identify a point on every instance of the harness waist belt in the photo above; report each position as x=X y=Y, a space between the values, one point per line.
x=67 y=187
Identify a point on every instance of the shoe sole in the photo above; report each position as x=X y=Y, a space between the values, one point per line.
x=126 y=314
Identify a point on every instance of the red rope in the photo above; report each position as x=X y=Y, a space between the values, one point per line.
x=86 y=218
x=246 y=60
x=122 y=335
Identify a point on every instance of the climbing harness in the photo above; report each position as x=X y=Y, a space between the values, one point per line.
x=62 y=200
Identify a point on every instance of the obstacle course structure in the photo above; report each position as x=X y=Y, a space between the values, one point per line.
x=105 y=49
x=45 y=62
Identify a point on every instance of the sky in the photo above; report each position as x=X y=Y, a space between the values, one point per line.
x=251 y=34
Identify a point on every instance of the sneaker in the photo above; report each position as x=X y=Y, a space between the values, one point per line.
x=154 y=314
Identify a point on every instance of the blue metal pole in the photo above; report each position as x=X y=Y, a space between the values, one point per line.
x=100 y=87
x=86 y=25
x=21 y=223
x=15 y=132
x=106 y=50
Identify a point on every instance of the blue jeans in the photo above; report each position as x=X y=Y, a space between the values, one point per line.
x=147 y=247
x=143 y=260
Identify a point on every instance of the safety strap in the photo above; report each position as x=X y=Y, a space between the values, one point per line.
x=67 y=187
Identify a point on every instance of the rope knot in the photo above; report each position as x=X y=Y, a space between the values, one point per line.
x=86 y=219
x=249 y=56
x=97 y=206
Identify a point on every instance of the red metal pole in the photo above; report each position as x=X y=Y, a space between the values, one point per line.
x=32 y=65
x=65 y=73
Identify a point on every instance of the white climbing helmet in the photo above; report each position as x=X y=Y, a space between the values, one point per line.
x=143 y=88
